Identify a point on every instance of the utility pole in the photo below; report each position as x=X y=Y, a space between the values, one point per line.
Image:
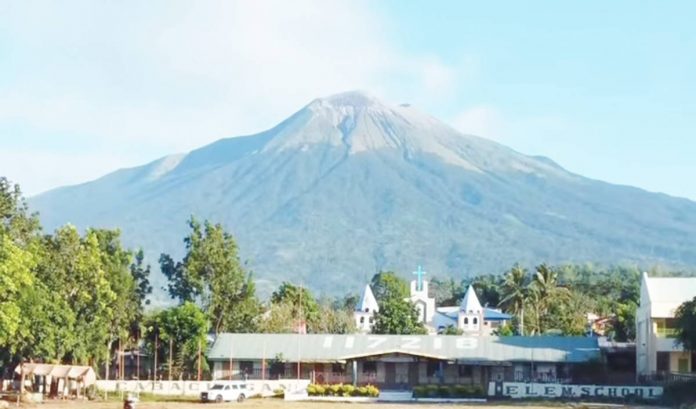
x=199 y=360
x=171 y=344
x=137 y=357
x=154 y=371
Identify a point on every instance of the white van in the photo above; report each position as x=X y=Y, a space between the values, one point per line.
x=226 y=392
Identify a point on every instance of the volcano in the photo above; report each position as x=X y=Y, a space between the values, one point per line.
x=350 y=185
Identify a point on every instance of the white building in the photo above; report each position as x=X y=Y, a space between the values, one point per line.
x=656 y=350
x=364 y=313
x=469 y=317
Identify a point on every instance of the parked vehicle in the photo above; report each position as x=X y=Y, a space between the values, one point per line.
x=226 y=392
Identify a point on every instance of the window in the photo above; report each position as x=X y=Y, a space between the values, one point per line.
x=235 y=387
x=433 y=368
x=246 y=367
x=466 y=321
x=663 y=362
x=369 y=367
x=367 y=310
x=227 y=387
x=372 y=320
x=362 y=320
x=466 y=371
x=242 y=386
x=338 y=368
x=475 y=321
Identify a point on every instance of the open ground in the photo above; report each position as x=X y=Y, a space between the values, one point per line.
x=280 y=404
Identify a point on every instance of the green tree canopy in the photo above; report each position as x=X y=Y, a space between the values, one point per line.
x=397 y=316
x=212 y=275
x=387 y=284
x=685 y=324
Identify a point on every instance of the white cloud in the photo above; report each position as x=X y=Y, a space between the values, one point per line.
x=173 y=75
x=481 y=121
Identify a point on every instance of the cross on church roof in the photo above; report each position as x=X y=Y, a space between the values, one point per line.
x=420 y=273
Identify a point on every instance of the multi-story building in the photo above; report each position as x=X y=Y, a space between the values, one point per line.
x=656 y=349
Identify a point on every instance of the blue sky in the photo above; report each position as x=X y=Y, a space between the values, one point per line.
x=606 y=89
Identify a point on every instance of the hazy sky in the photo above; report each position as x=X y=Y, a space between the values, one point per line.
x=606 y=89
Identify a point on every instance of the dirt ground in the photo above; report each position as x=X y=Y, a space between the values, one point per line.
x=275 y=404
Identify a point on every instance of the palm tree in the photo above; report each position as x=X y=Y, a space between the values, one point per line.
x=546 y=291
x=515 y=293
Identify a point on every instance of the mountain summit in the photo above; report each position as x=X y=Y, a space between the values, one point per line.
x=350 y=185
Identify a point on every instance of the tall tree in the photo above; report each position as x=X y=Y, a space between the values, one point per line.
x=300 y=300
x=185 y=328
x=15 y=276
x=397 y=316
x=685 y=324
x=141 y=274
x=212 y=275
x=515 y=293
x=387 y=284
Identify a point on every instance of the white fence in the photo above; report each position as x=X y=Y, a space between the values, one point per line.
x=194 y=388
x=546 y=390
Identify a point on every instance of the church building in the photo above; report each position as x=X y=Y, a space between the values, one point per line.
x=470 y=317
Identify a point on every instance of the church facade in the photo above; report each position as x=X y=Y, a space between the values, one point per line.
x=469 y=318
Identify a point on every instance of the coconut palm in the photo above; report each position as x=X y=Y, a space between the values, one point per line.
x=515 y=293
x=546 y=290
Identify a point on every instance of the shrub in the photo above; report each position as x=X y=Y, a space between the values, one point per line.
x=347 y=390
x=312 y=390
x=372 y=391
x=340 y=389
x=335 y=390
x=681 y=393
x=419 y=391
x=444 y=391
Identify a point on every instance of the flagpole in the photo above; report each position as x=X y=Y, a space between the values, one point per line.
x=230 y=376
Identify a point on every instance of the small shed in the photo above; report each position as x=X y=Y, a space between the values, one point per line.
x=80 y=377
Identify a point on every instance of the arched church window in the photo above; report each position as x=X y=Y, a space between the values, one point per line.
x=362 y=320
x=367 y=310
x=466 y=321
x=475 y=320
x=372 y=320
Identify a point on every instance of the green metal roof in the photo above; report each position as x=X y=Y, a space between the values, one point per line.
x=337 y=348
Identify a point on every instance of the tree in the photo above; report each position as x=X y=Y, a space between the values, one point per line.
x=300 y=300
x=515 y=294
x=16 y=276
x=185 y=328
x=544 y=293
x=487 y=289
x=397 y=316
x=685 y=324
x=141 y=274
x=387 y=284
x=212 y=275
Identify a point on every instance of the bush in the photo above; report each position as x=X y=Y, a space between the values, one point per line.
x=342 y=390
x=312 y=390
x=419 y=391
x=335 y=390
x=444 y=391
x=681 y=393
x=372 y=391
x=347 y=390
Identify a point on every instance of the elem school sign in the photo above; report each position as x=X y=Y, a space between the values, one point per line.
x=544 y=390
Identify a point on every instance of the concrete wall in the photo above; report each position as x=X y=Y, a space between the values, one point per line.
x=194 y=388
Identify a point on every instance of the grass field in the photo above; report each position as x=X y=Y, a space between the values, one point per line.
x=280 y=404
